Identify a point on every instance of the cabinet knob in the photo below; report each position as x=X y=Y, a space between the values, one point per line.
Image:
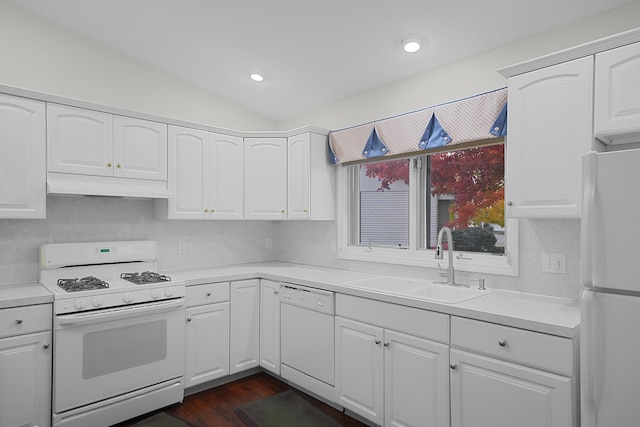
x=45 y=345
x=282 y=211
x=109 y=165
x=213 y=210
x=189 y=319
x=502 y=343
x=453 y=366
x=386 y=344
x=305 y=211
x=208 y=294
x=206 y=210
x=509 y=203
x=19 y=321
x=118 y=165
x=378 y=341
x=275 y=291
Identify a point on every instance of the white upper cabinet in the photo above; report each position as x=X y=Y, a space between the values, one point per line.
x=310 y=178
x=265 y=185
x=91 y=142
x=79 y=141
x=22 y=158
x=206 y=176
x=550 y=127
x=139 y=148
x=617 y=95
x=226 y=177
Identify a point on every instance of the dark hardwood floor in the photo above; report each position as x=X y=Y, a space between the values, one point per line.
x=214 y=407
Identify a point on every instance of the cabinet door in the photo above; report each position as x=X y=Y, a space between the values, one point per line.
x=270 y=325
x=359 y=369
x=188 y=172
x=550 y=117
x=265 y=178
x=617 y=95
x=245 y=325
x=207 y=354
x=25 y=379
x=140 y=148
x=489 y=392
x=416 y=381
x=226 y=177
x=22 y=158
x=79 y=141
x=298 y=176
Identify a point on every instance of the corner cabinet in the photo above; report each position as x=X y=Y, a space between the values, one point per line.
x=502 y=376
x=207 y=333
x=550 y=127
x=22 y=158
x=310 y=178
x=265 y=183
x=617 y=95
x=25 y=366
x=389 y=368
x=206 y=176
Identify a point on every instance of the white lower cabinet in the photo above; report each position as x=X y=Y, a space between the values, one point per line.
x=245 y=325
x=389 y=377
x=207 y=333
x=504 y=377
x=270 y=325
x=25 y=366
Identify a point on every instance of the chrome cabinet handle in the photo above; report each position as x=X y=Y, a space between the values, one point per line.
x=19 y=321
x=453 y=366
x=45 y=345
x=502 y=343
x=378 y=341
x=188 y=319
x=208 y=294
x=509 y=203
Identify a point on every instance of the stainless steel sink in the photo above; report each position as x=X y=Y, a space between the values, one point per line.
x=418 y=289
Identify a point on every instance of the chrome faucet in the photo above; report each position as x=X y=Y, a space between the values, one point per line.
x=451 y=273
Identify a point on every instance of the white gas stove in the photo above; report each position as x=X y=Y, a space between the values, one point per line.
x=91 y=276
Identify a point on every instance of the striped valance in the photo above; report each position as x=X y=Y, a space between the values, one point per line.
x=477 y=118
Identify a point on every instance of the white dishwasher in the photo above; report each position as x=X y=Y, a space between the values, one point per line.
x=307 y=338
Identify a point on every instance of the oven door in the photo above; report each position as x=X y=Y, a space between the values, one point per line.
x=110 y=352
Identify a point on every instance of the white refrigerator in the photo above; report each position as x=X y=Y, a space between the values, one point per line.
x=610 y=274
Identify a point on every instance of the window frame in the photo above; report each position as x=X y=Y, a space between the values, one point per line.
x=506 y=265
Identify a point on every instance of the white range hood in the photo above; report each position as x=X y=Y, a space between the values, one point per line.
x=89 y=185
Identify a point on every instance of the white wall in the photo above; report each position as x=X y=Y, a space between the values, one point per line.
x=41 y=56
x=309 y=243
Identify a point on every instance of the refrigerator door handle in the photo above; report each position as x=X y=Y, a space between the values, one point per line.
x=589 y=162
x=587 y=360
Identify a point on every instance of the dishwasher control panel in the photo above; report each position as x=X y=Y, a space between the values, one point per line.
x=309 y=298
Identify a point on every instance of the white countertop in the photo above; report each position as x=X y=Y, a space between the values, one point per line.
x=20 y=294
x=556 y=316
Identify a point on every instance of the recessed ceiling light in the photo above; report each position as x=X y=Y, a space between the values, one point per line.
x=256 y=76
x=411 y=45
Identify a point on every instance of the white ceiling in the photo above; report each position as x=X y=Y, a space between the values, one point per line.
x=314 y=52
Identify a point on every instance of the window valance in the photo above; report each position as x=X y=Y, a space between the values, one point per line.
x=477 y=118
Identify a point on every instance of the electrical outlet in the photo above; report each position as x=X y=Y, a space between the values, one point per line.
x=554 y=263
x=182 y=248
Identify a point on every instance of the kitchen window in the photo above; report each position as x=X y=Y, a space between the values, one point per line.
x=390 y=211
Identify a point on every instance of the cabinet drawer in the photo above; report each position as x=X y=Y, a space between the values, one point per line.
x=208 y=293
x=410 y=320
x=524 y=347
x=24 y=320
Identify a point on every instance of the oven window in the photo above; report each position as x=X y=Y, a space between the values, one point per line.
x=117 y=349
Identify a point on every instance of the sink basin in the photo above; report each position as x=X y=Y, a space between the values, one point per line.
x=419 y=289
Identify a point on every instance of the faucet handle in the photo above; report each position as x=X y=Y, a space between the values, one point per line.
x=442 y=272
x=480 y=283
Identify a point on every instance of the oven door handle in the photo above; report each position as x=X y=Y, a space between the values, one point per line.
x=118 y=313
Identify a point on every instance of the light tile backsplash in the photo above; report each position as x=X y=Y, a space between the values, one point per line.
x=309 y=243
x=82 y=219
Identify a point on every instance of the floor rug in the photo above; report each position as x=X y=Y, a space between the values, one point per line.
x=161 y=419
x=286 y=409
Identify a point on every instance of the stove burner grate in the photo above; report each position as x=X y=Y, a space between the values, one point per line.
x=145 y=277
x=85 y=284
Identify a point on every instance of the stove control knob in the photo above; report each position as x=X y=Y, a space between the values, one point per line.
x=79 y=304
x=155 y=294
x=128 y=297
x=97 y=301
x=168 y=292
